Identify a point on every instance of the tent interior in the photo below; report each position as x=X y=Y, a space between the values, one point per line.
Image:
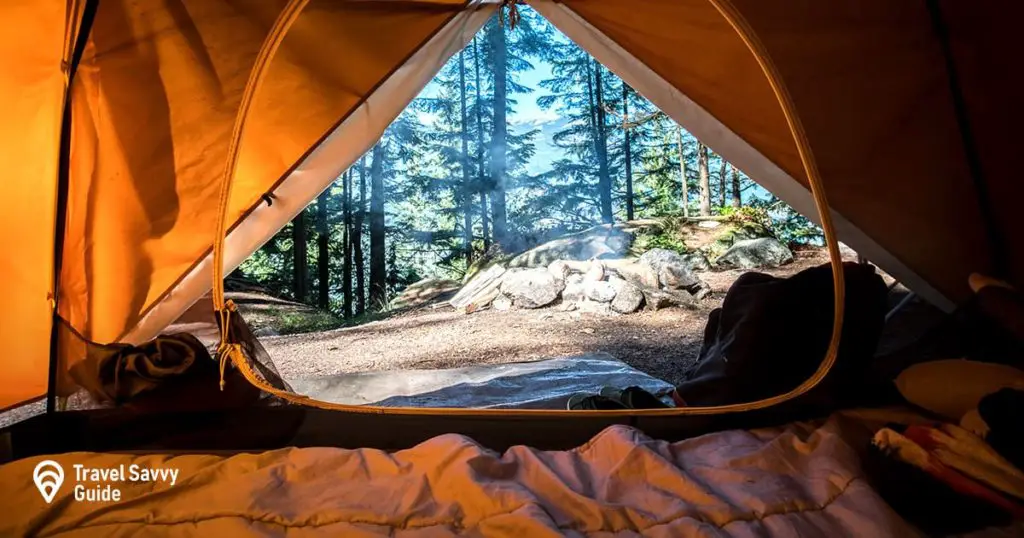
x=151 y=147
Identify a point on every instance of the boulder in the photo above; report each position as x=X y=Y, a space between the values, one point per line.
x=755 y=253
x=696 y=261
x=671 y=268
x=532 y=288
x=502 y=303
x=700 y=291
x=658 y=299
x=600 y=292
x=639 y=274
x=574 y=289
x=560 y=268
x=594 y=307
x=595 y=273
x=598 y=242
x=628 y=297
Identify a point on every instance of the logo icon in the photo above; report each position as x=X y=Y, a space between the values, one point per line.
x=48 y=476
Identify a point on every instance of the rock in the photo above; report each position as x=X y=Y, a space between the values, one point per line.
x=595 y=273
x=600 y=292
x=671 y=268
x=532 y=288
x=600 y=241
x=709 y=224
x=755 y=253
x=480 y=290
x=574 y=289
x=639 y=274
x=594 y=307
x=700 y=291
x=502 y=303
x=560 y=268
x=628 y=297
x=696 y=261
x=567 y=307
x=658 y=299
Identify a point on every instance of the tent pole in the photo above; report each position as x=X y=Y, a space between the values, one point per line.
x=996 y=241
x=70 y=66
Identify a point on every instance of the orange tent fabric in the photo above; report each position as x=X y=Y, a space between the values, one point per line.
x=158 y=89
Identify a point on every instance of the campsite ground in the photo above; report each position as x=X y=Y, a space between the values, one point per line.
x=664 y=343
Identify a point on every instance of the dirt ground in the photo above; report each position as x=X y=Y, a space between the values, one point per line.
x=664 y=344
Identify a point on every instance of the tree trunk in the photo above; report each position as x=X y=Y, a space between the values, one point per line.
x=346 y=241
x=722 y=170
x=705 y=179
x=481 y=174
x=604 y=178
x=682 y=173
x=467 y=190
x=357 y=241
x=627 y=148
x=378 y=273
x=323 y=258
x=300 y=275
x=499 y=137
x=737 y=197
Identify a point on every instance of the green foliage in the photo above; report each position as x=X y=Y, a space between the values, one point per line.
x=750 y=222
x=670 y=235
x=788 y=225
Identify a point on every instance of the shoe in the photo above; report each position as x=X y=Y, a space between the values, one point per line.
x=591 y=402
x=638 y=398
x=612 y=393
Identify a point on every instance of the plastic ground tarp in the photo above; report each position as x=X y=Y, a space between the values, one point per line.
x=545 y=384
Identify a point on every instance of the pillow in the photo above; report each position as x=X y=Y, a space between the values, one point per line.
x=951 y=388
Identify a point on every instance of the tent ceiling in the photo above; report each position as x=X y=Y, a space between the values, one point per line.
x=160 y=83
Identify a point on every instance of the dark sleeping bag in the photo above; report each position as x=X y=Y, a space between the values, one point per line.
x=771 y=334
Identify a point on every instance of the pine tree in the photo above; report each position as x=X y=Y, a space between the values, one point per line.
x=737 y=197
x=482 y=181
x=604 y=177
x=705 y=180
x=499 y=133
x=300 y=275
x=467 y=187
x=357 y=242
x=723 y=166
x=346 y=239
x=378 y=275
x=683 y=179
x=323 y=258
x=577 y=191
x=628 y=151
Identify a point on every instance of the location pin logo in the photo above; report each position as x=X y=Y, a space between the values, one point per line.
x=48 y=476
